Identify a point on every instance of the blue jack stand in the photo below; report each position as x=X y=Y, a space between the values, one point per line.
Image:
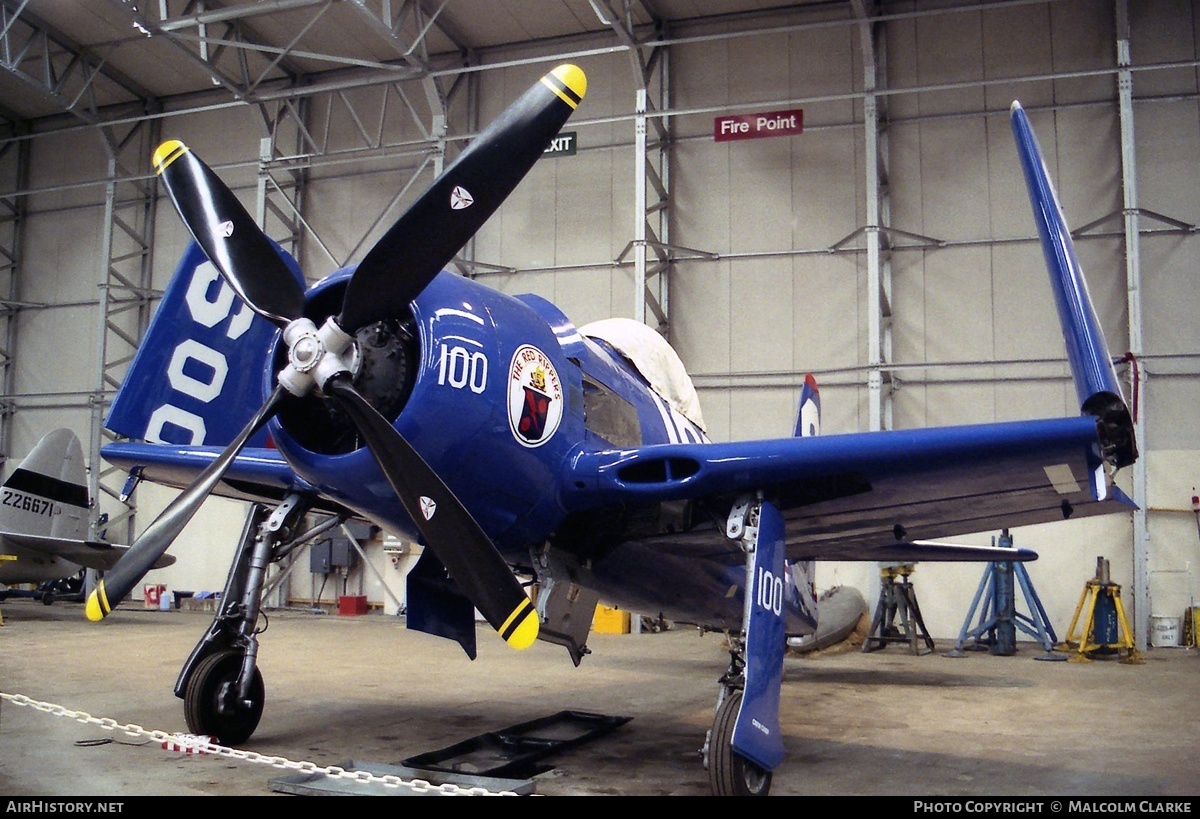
x=999 y=619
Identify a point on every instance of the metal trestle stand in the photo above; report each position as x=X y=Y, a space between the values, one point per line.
x=898 y=601
x=996 y=629
x=1105 y=628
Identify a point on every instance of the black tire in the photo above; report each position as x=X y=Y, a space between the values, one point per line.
x=48 y=598
x=202 y=700
x=730 y=773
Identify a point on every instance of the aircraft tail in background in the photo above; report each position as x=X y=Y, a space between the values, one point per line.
x=808 y=418
x=47 y=494
x=44 y=516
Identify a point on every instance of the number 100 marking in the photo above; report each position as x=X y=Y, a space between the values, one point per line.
x=769 y=590
x=460 y=368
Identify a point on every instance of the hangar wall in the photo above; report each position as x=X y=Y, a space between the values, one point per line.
x=773 y=294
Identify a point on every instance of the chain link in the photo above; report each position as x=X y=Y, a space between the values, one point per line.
x=196 y=744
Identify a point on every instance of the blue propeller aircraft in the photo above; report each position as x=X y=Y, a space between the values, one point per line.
x=514 y=444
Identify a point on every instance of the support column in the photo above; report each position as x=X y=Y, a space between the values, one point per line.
x=15 y=174
x=651 y=240
x=879 y=261
x=126 y=305
x=1141 y=580
x=14 y=170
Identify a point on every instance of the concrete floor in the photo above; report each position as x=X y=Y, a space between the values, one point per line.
x=365 y=690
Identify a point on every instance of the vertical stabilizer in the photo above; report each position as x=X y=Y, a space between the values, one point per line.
x=1091 y=363
x=47 y=494
x=189 y=383
x=808 y=418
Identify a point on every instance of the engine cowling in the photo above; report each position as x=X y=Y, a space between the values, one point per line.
x=476 y=381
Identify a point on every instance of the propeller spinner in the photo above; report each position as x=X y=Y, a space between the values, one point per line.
x=394 y=272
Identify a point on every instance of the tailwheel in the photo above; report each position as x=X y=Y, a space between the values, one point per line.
x=730 y=773
x=211 y=704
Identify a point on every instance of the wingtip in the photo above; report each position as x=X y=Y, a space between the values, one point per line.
x=1015 y=107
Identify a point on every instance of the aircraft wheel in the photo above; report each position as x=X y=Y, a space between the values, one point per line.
x=48 y=598
x=730 y=773
x=211 y=708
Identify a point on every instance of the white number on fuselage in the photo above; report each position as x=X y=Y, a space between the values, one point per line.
x=458 y=367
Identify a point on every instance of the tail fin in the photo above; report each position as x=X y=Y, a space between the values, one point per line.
x=47 y=494
x=188 y=384
x=44 y=508
x=801 y=574
x=808 y=419
x=1091 y=363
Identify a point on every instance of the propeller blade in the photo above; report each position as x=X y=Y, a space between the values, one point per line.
x=158 y=536
x=456 y=538
x=425 y=238
x=232 y=240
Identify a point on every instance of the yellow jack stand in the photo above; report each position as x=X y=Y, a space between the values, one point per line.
x=1105 y=627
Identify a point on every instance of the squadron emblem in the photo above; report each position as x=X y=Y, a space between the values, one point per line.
x=535 y=399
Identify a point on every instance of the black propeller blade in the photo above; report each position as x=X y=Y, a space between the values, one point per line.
x=425 y=238
x=462 y=547
x=159 y=535
x=248 y=261
x=230 y=237
x=394 y=272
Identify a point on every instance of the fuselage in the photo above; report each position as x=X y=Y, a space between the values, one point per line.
x=501 y=395
x=503 y=391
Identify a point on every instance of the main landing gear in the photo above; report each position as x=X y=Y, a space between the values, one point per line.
x=745 y=743
x=220 y=684
x=730 y=773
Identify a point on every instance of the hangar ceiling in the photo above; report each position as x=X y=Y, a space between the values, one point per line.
x=97 y=60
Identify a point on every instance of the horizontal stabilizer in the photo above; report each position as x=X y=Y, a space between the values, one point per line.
x=91 y=554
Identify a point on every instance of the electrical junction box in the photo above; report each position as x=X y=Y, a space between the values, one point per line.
x=358 y=530
x=329 y=555
x=394 y=546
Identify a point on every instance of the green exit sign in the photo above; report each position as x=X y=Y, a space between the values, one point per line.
x=561 y=145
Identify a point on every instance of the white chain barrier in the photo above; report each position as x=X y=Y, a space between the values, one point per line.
x=190 y=743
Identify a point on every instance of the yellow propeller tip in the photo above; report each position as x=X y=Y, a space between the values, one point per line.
x=167 y=153
x=568 y=83
x=93 y=609
x=525 y=635
x=572 y=77
x=97 y=604
x=520 y=629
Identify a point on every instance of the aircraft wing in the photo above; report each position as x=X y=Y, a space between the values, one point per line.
x=91 y=554
x=878 y=496
x=257 y=474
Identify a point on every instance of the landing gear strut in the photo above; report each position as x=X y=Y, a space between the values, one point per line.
x=220 y=684
x=745 y=743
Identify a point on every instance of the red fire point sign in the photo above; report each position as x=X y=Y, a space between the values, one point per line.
x=757 y=126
